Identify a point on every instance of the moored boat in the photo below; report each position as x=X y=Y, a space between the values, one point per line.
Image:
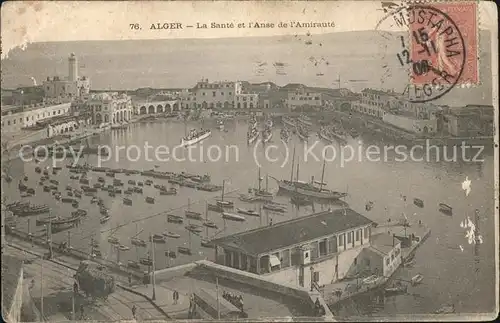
x=445 y=208
x=233 y=216
x=113 y=240
x=127 y=201
x=418 y=202
x=194 y=228
x=170 y=191
x=170 y=234
x=417 y=279
x=133 y=264
x=150 y=200
x=223 y=203
x=247 y=212
x=215 y=208
x=192 y=215
x=210 y=224
x=194 y=137
x=158 y=238
x=206 y=243
x=104 y=219
x=275 y=207
x=184 y=250
x=174 y=218
x=138 y=242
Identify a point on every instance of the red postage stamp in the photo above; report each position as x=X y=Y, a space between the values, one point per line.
x=444 y=44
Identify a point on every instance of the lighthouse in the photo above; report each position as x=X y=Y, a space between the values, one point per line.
x=73 y=68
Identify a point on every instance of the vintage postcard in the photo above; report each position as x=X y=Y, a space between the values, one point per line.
x=249 y=160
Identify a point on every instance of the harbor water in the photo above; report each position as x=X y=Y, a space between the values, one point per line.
x=451 y=269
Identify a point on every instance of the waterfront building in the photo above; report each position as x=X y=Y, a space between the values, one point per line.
x=299 y=96
x=156 y=106
x=110 y=108
x=16 y=118
x=396 y=110
x=246 y=101
x=317 y=249
x=210 y=95
x=470 y=121
x=63 y=125
x=383 y=256
x=72 y=86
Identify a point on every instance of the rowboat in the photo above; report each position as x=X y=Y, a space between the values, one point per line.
x=445 y=208
x=417 y=279
x=193 y=215
x=127 y=201
x=194 y=228
x=418 y=202
x=206 y=243
x=174 y=218
x=210 y=224
x=247 y=212
x=138 y=242
x=104 y=219
x=233 y=216
x=170 y=191
x=170 y=254
x=157 y=238
x=275 y=207
x=123 y=247
x=225 y=203
x=150 y=200
x=215 y=208
x=170 y=234
x=396 y=289
x=146 y=262
x=113 y=240
x=184 y=250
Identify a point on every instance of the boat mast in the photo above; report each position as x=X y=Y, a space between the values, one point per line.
x=297 y=179
x=206 y=219
x=267 y=183
x=223 y=182
x=258 y=178
x=293 y=164
x=322 y=176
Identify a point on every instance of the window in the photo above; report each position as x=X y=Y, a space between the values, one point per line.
x=213 y=93
x=341 y=240
x=230 y=93
x=322 y=247
x=222 y=93
x=27 y=118
x=8 y=122
x=387 y=261
x=285 y=260
x=53 y=113
x=366 y=233
x=14 y=121
x=332 y=244
x=357 y=235
x=349 y=237
x=203 y=93
x=392 y=257
x=355 y=261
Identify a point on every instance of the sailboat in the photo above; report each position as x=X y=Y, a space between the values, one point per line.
x=223 y=203
x=209 y=224
x=264 y=194
x=205 y=242
x=309 y=189
x=191 y=214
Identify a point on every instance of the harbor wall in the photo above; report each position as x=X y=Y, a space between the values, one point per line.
x=170 y=273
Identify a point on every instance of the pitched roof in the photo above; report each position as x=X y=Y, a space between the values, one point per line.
x=11 y=271
x=292 y=232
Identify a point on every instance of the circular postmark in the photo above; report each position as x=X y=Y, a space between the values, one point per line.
x=431 y=51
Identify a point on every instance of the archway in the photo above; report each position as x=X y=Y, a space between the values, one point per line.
x=244 y=105
x=106 y=118
x=176 y=107
x=204 y=105
x=251 y=105
x=226 y=105
x=159 y=109
x=151 y=109
x=168 y=108
x=239 y=105
x=218 y=105
x=143 y=110
x=426 y=130
x=98 y=118
x=211 y=105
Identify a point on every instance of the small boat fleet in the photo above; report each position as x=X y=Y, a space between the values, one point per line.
x=333 y=133
x=195 y=137
x=285 y=134
x=252 y=135
x=25 y=208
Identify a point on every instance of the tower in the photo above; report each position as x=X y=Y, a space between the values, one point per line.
x=73 y=68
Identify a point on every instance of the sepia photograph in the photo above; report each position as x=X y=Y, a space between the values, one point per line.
x=249 y=160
